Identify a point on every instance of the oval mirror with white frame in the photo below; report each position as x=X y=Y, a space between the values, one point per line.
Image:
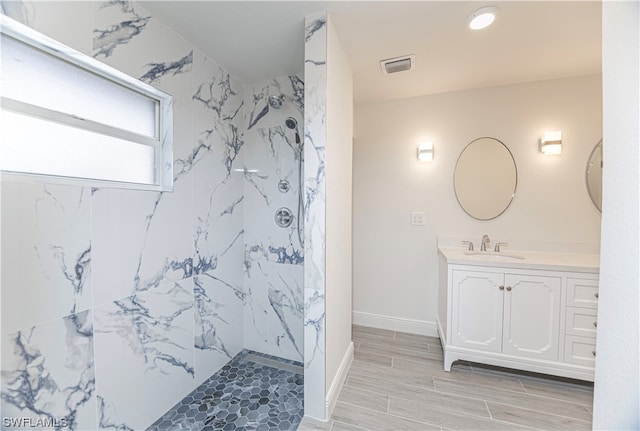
x=594 y=176
x=485 y=178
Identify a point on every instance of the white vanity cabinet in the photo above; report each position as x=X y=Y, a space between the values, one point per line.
x=581 y=321
x=518 y=315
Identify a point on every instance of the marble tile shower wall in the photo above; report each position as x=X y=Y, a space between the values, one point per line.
x=315 y=73
x=117 y=303
x=274 y=256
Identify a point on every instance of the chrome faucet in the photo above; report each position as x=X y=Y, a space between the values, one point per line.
x=484 y=242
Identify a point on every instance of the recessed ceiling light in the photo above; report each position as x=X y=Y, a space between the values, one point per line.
x=482 y=18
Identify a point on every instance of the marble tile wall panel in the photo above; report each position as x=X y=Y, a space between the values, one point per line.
x=48 y=375
x=46 y=253
x=218 y=322
x=127 y=37
x=273 y=255
x=142 y=238
x=272 y=156
x=144 y=355
x=314 y=223
x=216 y=160
x=274 y=310
x=218 y=216
x=259 y=114
x=168 y=267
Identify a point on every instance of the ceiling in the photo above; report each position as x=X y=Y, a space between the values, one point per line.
x=529 y=41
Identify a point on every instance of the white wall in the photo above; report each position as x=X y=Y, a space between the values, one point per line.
x=617 y=381
x=338 y=213
x=395 y=264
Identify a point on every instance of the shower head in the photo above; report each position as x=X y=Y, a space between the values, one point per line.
x=276 y=101
x=291 y=123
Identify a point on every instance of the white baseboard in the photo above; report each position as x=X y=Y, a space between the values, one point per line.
x=338 y=381
x=410 y=326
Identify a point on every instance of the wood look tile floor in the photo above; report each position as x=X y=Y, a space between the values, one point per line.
x=397 y=382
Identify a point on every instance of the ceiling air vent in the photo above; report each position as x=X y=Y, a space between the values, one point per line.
x=398 y=64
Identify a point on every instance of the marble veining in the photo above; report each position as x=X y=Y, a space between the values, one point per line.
x=273 y=255
x=216 y=93
x=144 y=350
x=218 y=229
x=315 y=206
x=162 y=273
x=205 y=264
x=51 y=259
x=314 y=324
x=146 y=332
x=77 y=276
x=281 y=302
x=48 y=372
x=107 y=40
x=313 y=27
x=105 y=420
x=258 y=105
x=287 y=255
x=158 y=70
x=206 y=318
x=297 y=96
x=218 y=328
x=256 y=180
x=232 y=148
x=274 y=309
x=76 y=270
x=218 y=97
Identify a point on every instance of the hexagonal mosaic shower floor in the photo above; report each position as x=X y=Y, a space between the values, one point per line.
x=253 y=391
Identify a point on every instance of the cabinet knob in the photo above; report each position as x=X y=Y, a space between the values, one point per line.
x=593 y=352
x=595 y=324
x=509 y=288
x=596 y=295
x=501 y=287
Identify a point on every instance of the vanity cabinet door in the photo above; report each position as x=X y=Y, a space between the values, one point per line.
x=532 y=316
x=477 y=300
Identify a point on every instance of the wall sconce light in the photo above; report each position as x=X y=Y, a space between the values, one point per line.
x=425 y=152
x=551 y=143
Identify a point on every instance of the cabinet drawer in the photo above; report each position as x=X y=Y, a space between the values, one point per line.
x=582 y=293
x=581 y=322
x=580 y=350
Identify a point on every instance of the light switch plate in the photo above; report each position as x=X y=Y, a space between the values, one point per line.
x=417 y=218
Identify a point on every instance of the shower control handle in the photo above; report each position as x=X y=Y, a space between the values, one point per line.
x=284 y=217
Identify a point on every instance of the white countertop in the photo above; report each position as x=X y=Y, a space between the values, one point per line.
x=549 y=261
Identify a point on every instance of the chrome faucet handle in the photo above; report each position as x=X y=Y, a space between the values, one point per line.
x=498 y=244
x=470 y=244
x=484 y=242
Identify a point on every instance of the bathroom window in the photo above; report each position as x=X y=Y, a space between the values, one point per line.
x=66 y=117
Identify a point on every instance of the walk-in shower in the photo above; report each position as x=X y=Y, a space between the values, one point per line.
x=274 y=219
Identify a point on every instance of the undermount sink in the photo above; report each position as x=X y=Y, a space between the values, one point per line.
x=492 y=255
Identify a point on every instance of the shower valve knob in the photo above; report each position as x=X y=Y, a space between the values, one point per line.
x=284 y=217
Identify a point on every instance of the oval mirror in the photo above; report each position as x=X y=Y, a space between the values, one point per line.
x=485 y=178
x=594 y=176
